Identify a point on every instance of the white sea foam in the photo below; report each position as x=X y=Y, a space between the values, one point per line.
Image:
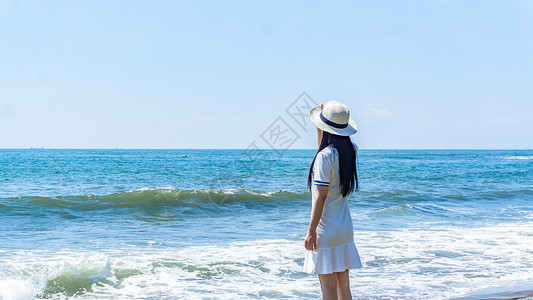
x=34 y=274
x=421 y=263
x=18 y=289
x=517 y=157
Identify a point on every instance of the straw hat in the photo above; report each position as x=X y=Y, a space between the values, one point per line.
x=334 y=118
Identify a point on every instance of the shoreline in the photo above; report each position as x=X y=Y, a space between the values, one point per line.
x=521 y=290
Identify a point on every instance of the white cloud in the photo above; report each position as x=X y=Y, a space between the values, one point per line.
x=372 y=111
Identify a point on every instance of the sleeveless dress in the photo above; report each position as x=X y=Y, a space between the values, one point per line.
x=336 y=249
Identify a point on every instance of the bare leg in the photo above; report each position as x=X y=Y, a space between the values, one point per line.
x=343 y=285
x=328 y=284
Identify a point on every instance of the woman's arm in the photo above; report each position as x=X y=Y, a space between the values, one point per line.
x=316 y=214
x=319 y=134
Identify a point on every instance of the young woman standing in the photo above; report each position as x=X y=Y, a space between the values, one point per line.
x=331 y=250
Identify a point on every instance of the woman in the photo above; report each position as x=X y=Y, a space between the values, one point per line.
x=331 y=251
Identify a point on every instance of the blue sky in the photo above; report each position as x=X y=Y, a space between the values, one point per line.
x=206 y=74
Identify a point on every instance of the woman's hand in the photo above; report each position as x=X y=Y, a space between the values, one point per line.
x=310 y=240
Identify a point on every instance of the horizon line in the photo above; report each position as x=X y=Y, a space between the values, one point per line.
x=117 y=148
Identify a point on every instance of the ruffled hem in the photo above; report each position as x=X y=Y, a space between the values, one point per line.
x=333 y=259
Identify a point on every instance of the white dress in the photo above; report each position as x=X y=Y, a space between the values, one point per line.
x=336 y=249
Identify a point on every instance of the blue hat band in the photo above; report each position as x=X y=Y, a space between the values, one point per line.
x=332 y=124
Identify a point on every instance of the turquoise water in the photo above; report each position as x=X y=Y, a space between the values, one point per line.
x=151 y=224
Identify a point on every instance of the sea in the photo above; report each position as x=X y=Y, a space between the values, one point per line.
x=230 y=224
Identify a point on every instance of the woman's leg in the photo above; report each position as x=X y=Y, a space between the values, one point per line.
x=343 y=285
x=328 y=284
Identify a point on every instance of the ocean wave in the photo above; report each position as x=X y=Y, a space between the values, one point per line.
x=150 y=199
x=68 y=278
x=206 y=201
x=395 y=210
x=434 y=257
x=510 y=194
x=521 y=157
x=78 y=277
x=184 y=273
x=420 y=209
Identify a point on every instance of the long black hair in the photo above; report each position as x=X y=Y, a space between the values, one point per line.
x=347 y=161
